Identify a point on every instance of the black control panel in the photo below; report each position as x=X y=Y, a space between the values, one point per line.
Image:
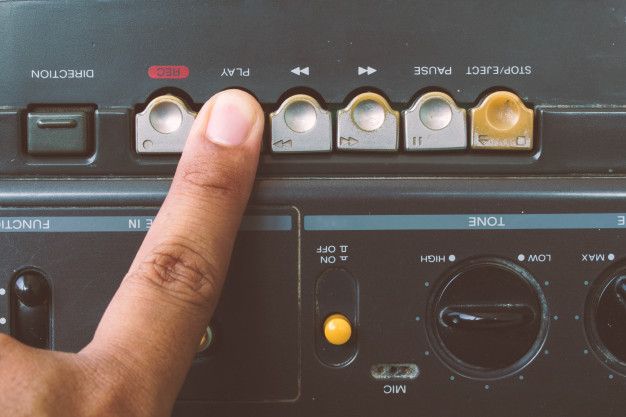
x=438 y=223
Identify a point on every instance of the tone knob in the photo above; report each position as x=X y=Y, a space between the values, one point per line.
x=605 y=321
x=488 y=318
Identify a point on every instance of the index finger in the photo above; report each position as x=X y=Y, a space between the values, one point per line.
x=157 y=316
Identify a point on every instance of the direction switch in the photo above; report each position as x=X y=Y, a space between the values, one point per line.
x=301 y=125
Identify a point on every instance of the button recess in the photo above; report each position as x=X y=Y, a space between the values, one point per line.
x=368 y=123
x=434 y=122
x=337 y=329
x=301 y=125
x=502 y=122
x=163 y=126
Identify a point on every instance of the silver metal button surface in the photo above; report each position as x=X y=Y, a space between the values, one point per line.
x=435 y=113
x=163 y=126
x=300 y=116
x=301 y=125
x=434 y=122
x=166 y=117
x=368 y=123
x=368 y=115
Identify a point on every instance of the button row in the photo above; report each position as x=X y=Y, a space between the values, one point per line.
x=501 y=121
x=434 y=122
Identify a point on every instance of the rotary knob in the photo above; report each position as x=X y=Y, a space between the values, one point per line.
x=488 y=318
x=605 y=322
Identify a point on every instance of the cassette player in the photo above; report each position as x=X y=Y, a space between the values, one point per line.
x=438 y=222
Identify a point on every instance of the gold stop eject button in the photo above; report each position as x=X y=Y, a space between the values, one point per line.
x=501 y=121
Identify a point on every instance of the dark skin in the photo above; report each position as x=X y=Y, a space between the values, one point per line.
x=148 y=336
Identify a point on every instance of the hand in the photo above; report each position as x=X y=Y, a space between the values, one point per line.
x=148 y=336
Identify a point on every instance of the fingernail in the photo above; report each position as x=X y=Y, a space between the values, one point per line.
x=230 y=120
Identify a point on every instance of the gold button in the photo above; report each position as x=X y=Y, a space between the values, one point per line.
x=502 y=112
x=337 y=329
x=502 y=122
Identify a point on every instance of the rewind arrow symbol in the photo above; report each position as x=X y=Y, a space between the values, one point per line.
x=301 y=71
x=283 y=143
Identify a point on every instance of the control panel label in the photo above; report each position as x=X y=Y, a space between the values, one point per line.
x=237 y=72
x=62 y=74
x=466 y=221
x=332 y=254
x=124 y=223
x=394 y=389
x=498 y=70
x=168 y=72
x=432 y=70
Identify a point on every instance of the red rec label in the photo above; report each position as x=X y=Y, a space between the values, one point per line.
x=168 y=72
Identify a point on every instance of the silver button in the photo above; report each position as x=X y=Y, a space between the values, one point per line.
x=435 y=113
x=434 y=122
x=301 y=125
x=368 y=115
x=368 y=123
x=300 y=116
x=166 y=117
x=163 y=126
